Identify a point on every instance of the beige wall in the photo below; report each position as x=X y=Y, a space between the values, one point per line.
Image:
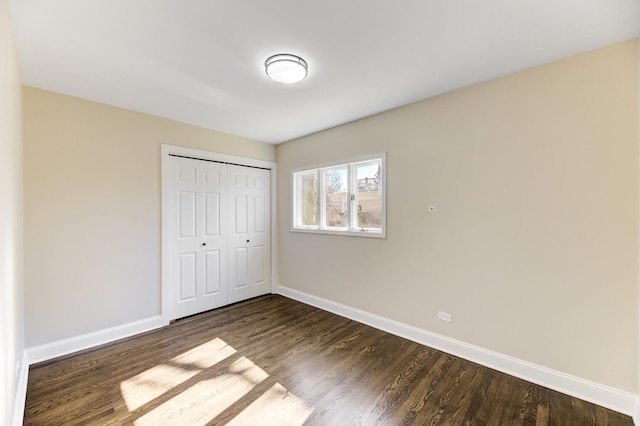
x=11 y=236
x=533 y=247
x=92 y=211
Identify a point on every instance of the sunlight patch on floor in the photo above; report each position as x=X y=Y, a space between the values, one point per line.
x=205 y=400
x=154 y=382
x=206 y=355
x=149 y=385
x=208 y=395
x=276 y=407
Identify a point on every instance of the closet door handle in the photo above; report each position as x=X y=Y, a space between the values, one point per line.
x=204 y=244
x=247 y=240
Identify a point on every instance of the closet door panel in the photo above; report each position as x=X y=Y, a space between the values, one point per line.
x=249 y=241
x=198 y=267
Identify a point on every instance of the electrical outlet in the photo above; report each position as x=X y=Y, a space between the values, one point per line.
x=443 y=316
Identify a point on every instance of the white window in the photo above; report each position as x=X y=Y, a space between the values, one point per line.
x=345 y=199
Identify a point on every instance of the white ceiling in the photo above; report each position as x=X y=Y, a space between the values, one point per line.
x=202 y=61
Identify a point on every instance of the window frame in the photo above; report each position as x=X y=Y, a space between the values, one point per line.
x=351 y=228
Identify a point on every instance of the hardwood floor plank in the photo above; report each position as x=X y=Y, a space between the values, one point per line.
x=542 y=408
x=272 y=360
x=365 y=377
x=560 y=407
x=583 y=413
x=470 y=378
x=444 y=400
x=399 y=386
x=481 y=404
x=424 y=393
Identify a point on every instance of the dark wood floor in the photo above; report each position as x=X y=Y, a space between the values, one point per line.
x=274 y=361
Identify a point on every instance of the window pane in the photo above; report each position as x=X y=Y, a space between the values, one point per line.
x=307 y=199
x=345 y=198
x=369 y=197
x=336 y=201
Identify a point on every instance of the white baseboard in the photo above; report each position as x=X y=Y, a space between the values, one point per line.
x=636 y=415
x=86 y=341
x=605 y=396
x=21 y=391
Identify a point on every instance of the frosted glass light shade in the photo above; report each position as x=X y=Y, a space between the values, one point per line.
x=285 y=68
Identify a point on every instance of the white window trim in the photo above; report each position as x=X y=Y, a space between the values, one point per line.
x=348 y=162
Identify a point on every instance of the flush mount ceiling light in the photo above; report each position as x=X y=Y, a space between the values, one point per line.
x=285 y=68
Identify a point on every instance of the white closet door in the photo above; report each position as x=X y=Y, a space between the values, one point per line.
x=198 y=212
x=249 y=233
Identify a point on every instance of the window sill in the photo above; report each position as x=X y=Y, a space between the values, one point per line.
x=366 y=234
